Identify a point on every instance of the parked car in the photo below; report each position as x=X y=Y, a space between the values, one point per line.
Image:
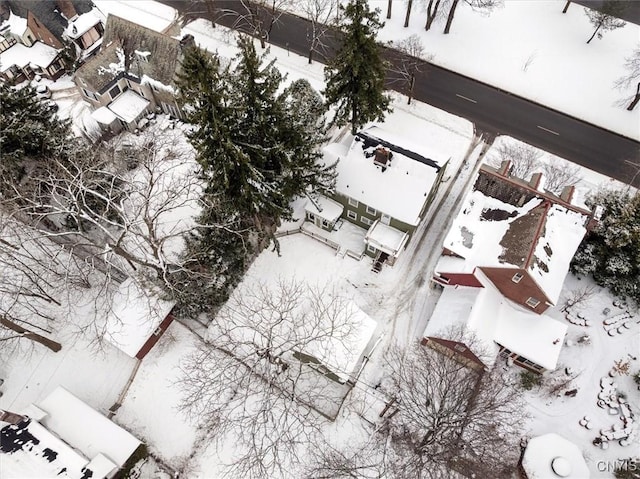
x=43 y=92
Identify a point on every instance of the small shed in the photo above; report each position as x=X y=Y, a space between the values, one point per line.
x=137 y=319
x=552 y=456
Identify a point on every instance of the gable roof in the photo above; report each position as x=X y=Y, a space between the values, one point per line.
x=505 y=225
x=134 y=49
x=66 y=438
x=400 y=190
x=48 y=13
x=493 y=319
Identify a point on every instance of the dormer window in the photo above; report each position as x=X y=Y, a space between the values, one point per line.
x=517 y=277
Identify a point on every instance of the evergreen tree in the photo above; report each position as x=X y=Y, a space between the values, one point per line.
x=611 y=251
x=30 y=132
x=355 y=76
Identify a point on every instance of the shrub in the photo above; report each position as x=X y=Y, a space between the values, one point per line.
x=529 y=380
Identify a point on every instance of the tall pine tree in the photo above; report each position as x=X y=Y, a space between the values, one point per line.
x=355 y=77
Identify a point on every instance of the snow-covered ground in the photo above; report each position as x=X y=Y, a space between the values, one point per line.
x=532 y=49
x=399 y=298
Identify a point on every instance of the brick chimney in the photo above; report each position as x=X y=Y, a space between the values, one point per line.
x=535 y=180
x=382 y=157
x=10 y=417
x=67 y=8
x=567 y=193
x=505 y=166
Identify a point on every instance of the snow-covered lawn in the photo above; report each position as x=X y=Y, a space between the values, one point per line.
x=588 y=363
x=528 y=47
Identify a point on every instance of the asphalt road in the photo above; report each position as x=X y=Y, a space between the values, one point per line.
x=630 y=14
x=491 y=109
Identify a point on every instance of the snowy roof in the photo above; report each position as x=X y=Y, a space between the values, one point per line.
x=104 y=115
x=550 y=455
x=468 y=309
x=128 y=106
x=20 y=55
x=134 y=316
x=342 y=355
x=386 y=238
x=83 y=23
x=329 y=210
x=400 y=191
x=17 y=24
x=159 y=61
x=493 y=319
x=538 y=236
x=538 y=338
x=85 y=429
x=26 y=450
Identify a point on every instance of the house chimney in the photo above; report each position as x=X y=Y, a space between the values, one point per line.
x=10 y=417
x=504 y=168
x=382 y=157
x=567 y=193
x=535 y=180
x=67 y=9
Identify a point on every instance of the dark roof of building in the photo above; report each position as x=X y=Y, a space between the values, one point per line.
x=47 y=12
x=144 y=52
x=522 y=236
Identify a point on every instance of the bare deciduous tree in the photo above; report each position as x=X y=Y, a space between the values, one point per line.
x=444 y=416
x=484 y=6
x=410 y=57
x=566 y=6
x=578 y=296
x=558 y=174
x=321 y=14
x=525 y=159
x=434 y=10
x=259 y=17
x=632 y=77
x=606 y=18
x=261 y=379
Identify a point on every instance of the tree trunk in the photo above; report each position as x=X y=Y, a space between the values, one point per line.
x=594 y=34
x=432 y=12
x=452 y=12
x=412 y=83
x=310 y=56
x=25 y=333
x=389 y=8
x=636 y=99
x=566 y=6
x=354 y=117
x=408 y=15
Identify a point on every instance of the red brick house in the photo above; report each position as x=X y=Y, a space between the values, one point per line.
x=522 y=239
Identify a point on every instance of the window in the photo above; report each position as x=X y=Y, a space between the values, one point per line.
x=325 y=224
x=158 y=331
x=532 y=302
x=372 y=211
x=353 y=202
x=114 y=92
x=517 y=277
x=352 y=215
x=371 y=249
x=311 y=216
x=366 y=221
x=89 y=94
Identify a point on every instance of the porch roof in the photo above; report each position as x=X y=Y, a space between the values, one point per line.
x=386 y=238
x=128 y=106
x=325 y=208
x=103 y=115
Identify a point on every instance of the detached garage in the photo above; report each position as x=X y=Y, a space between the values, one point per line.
x=137 y=319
